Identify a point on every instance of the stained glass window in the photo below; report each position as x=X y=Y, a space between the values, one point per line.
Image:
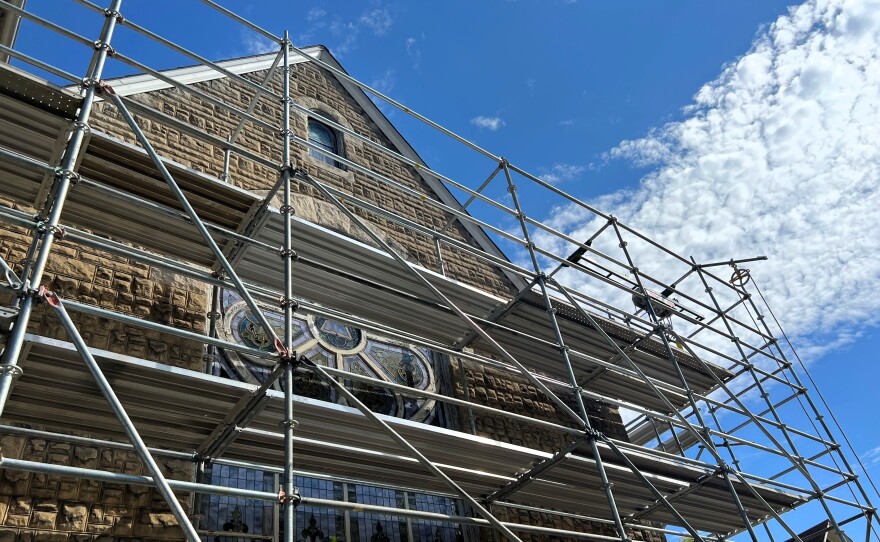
x=338 y=345
x=222 y=514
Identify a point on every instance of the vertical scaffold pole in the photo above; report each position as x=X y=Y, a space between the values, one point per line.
x=688 y=426
x=592 y=435
x=288 y=256
x=65 y=176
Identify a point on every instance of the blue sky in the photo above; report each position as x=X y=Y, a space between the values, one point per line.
x=644 y=108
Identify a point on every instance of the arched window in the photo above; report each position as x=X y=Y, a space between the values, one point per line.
x=325 y=138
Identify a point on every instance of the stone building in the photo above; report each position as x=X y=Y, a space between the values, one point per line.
x=124 y=285
x=127 y=251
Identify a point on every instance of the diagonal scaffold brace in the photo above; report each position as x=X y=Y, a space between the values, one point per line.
x=119 y=411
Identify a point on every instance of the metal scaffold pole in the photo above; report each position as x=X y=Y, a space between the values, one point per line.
x=795 y=457
x=290 y=497
x=745 y=278
x=592 y=436
x=50 y=229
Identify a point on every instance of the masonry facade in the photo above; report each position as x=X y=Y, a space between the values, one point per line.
x=37 y=507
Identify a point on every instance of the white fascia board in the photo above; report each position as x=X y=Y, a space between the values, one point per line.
x=189 y=75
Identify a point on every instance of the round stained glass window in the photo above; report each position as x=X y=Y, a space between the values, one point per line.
x=368 y=360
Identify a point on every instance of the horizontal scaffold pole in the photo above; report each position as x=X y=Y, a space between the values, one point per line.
x=268 y=496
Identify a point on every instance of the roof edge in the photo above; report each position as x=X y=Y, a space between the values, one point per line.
x=199 y=73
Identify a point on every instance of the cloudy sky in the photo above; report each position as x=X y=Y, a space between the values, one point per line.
x=722 y=130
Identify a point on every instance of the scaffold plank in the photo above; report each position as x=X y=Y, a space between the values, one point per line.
x=178 y=408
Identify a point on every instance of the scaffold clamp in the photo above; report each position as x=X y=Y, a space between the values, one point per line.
x=102 y=86
x=284 y=253
x=14 y=369
x=593 y=434
x=285 y=302
x=294 y=499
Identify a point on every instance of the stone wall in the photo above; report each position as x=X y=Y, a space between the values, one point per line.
x=121 y=285
x=44 y=508
x=511 y=393
x=314 y=89
x=37 y=507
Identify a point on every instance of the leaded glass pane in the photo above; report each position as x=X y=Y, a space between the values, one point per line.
x=434 y=531
x=376 y=527
x=323 y=340
x=312 y=385
x=323 y=137
x=318 y=524
x=337 y=334
x=237 y=515
x=401 y=365
x=378 y=399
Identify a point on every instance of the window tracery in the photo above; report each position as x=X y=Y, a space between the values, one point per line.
x=338 y=345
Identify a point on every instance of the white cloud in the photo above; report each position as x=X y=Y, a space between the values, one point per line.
x=315 y=14
x=560 y=173
x=488 y=123
x=566 y=122
x=871 y=457
x=344 y=33
x=385 y=82
x=413 y=51
x=780 y=155
x=347 y=33
x=258 y=45
x=378 y=20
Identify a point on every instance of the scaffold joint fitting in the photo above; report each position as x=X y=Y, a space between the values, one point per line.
x=284 y=253
x=14 y=369
x=284 y=133
x=293 y=499
x=103 y=45
x=285 y=302
x=79 y=125
x=102 y=86
x=293 y=424
x=287 y=210
x=112 y=13
x=593 y=434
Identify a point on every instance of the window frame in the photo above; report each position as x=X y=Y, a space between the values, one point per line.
x=319 y=119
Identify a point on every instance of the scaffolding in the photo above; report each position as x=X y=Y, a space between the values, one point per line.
x=724 y=435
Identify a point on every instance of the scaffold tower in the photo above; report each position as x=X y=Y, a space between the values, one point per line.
x=725 y=437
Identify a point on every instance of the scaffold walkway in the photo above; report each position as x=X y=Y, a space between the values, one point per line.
x=724 y=436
